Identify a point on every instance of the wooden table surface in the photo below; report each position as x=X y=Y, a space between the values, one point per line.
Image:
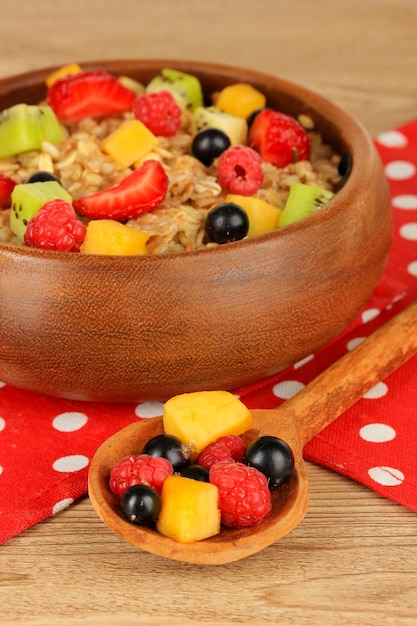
x=352 y=561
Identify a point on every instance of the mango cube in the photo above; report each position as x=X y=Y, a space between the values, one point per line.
x=240 y=99
x=190 y=509
x=65 y=70
x=130 y=142
x=200 y=417
x=263 y=216
x=111 y=237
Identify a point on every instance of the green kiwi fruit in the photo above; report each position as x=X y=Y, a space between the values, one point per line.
x=27 y=199
x=236 y=128
x=302 y=201
x=185 y=88
x=23 y=127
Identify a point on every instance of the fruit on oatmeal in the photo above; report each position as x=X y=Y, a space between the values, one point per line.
x=140 y=504
x=159 y=112
x=88 y=94
x=55 y=227
x=200 y=417
x=42 y=177
x=263 y=216
x=23 y=127
x=302 y=201
x=139 y=192
x=240 y=99
x=227 y=222
x=131 y=83
x=139 y=470
x=169 y=447
x=65 y=70
x=129 y=143
x=209 y=144
x=235 y=127
x=196 y=472
x=189 y=511
x=244 y=496
x=113 y=238
x=7 y=185
x=185 y=88
x=279 y=138
x=273 y=457
x=27 y=199
x=239 y=170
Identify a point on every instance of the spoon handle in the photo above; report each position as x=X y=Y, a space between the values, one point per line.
x=336 y=389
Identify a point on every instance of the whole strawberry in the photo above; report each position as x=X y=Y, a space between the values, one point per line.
x=139 y=470
x=279 y=138
x=244 y=496
x=55 y=227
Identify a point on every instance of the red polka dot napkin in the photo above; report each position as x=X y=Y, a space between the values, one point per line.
x=46 y=443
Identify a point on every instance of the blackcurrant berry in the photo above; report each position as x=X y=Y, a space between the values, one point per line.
x=345 y=165
x=197 y=472
x=271 y=456
x=42 y=177
x=140 y=504
x=170 y=448
x=227 y=222
x=208 y=144
x=250 y=119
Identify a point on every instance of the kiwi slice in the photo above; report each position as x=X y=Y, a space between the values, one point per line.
x=302 y=201
x=28 y=198
x=184 y=87
x=23 y=127
x=236 y=128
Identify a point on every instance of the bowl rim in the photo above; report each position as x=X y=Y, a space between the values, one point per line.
x=355 y=137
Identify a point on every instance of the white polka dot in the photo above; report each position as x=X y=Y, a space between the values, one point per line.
x=299 y=364
x=61 y=505
x=2 y=424
x=149 y=409
x=71 y=463
x=1 y=470
x=377 y=391
x=387 y=476
x=2 y=384
x=287 y=389
x=412 y=268
x=68 y=422
x=377 y=433
x=369 y=315
x=400 y=170
x=406 y=201
x=353 y=343
x=392 y=139
x=409 y=231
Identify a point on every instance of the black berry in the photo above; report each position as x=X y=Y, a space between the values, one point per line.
x=170 y=448
x=140 y=504
x=42 y=177
x=271 y=456
x=196 y=472
x=209 y=144
x=227 y=222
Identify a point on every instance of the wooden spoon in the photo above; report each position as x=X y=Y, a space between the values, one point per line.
x=296 y=421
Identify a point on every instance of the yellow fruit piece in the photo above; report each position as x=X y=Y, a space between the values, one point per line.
x=240 y=99
x=111 y=237
x=263 y=216
x=65 y=70
x=190 y=510
x=200 y=417
x=130 y=142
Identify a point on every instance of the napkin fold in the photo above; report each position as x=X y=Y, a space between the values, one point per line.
x=46 y=443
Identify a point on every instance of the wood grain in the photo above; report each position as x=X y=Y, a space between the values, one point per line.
x=351 y=561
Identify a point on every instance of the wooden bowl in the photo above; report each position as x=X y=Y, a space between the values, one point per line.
x=146 y=328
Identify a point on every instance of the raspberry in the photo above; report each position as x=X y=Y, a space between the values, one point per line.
x=229 y=447
x=159 y=112
x=239 y=170
x=139 y=470
x=55 y=227
x=244 y=497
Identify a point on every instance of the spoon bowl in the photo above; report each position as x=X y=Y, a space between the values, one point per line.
x=296 y=421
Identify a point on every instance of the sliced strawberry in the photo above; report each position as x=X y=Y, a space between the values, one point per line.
x=279 y=138
x=88 y=94
x=7 y=185
x=140 y=192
